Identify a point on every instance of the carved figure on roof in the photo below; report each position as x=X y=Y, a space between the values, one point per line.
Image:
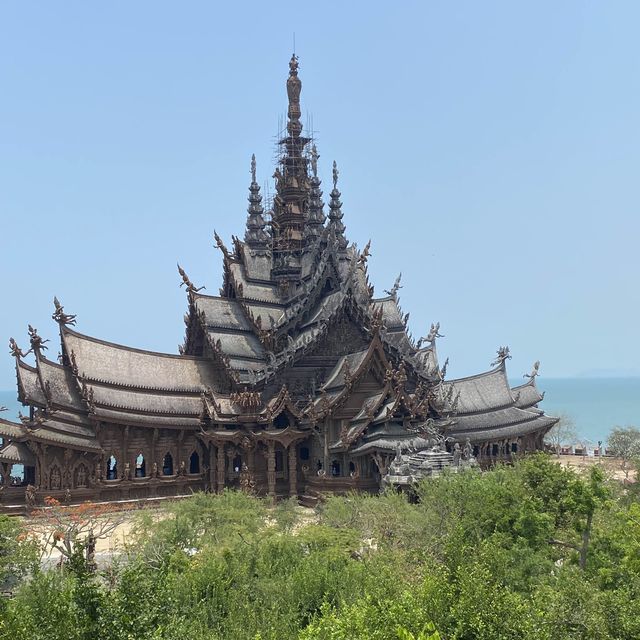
x=365 y=255
x=503 y=354
x=191 y=288
x=443 y=371
x=434 y=333
x=16 y=351
x=37 y=343
x=221 y=245
x=278 y=177
x=335 y=174
x=60 y=316
x=396 y=286
x=314 y=161
x=534 y=371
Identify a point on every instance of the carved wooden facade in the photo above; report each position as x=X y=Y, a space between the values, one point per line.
x=294 y=380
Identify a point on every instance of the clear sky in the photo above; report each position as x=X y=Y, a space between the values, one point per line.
x=490 y=150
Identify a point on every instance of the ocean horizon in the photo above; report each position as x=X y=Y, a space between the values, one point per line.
x=595 y=405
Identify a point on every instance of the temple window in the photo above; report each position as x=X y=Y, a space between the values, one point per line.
x=140 y=467
x=237 y=464
x=335 y=468
x=352 y=468
x=112 y=469
x=514 y=447
x=279 y=461
x=194 y=463
x=304 y=453
x=167 y=464
x=495 y=450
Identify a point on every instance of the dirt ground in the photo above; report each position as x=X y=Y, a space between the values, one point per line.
x=613 y=466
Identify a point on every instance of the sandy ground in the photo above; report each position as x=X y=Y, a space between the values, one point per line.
x=613 y=466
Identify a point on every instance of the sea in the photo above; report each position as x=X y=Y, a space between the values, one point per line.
x=595 y=405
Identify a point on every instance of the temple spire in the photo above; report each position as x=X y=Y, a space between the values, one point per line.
x=316 y=219
x=291 y=203
x=335 y=226
x=255 y=236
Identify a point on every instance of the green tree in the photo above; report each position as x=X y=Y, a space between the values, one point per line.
x=624 y=443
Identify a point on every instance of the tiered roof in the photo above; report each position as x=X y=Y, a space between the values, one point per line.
x=296 y=327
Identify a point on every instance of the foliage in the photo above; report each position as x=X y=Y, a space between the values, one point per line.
x=18 y=554
x=624 y=443
x=530 y=551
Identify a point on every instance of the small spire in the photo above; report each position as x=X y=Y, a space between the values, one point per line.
x=316 y=218
x=255 y=236
x=335 y=212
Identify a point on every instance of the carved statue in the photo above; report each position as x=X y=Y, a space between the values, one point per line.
x=82 y=477
x=457 y=454
x=365 y=255
x=467 y=451
x=335 y=175
x=191 y=288
x=60 y=316
x=31 y=495
x=503 y=354
x=396 y=287
x=253 y=167
x=278 y=177
x=154 y=470
x=247 y=481
x=56 y=479
x=16 y=351
x=182 y=470
x=37 y=343
x=126 y=475
x=534 y=371
x=314 y=161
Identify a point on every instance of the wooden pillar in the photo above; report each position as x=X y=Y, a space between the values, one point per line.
x=220 y=466
x=293 y=471
x=212 y=468
x=271 y=469
x=154 y=440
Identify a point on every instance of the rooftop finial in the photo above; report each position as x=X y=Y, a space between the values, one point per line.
x=294 y=87
x=253 y=167
x=335 y=175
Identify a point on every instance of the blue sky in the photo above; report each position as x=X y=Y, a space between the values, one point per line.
x=490 y=150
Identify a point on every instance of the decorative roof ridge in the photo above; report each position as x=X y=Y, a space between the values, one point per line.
x=138 y=411
x=115 y=345
x=146 y=390
x=119 y=385
x=529 y=383
x=25 y=365
x=496 y=370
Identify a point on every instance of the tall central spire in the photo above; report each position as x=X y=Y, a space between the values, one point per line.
x=291 y=203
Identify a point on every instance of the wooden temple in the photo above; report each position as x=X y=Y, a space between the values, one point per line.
x=294 y=381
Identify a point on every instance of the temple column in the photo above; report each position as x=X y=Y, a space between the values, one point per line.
x=271 y=469
x=220 y=468
x=212 y=469
x=293 y=471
